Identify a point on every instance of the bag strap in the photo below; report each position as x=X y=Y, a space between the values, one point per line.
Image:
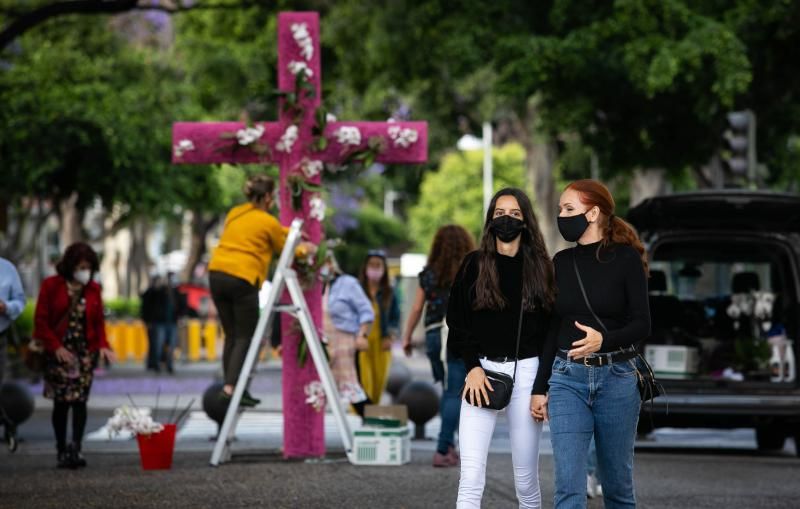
x=583 y=291
x=519 y=333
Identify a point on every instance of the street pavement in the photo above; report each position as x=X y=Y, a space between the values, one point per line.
x=674 y=468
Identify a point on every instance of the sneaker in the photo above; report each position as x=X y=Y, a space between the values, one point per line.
x=453 y=455
x=443 y=460
x=593 y=488
x=248 y=400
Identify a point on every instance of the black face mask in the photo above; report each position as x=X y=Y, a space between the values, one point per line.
x=506 y=228
x=573 y=227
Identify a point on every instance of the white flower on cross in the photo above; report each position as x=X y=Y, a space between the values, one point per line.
x=317 y=206
x=330 y=117
x=315 y=395
x=303 y=39
x=403 y=137
x=311 y=168
x=296 y=67
x=248 y=135
x=348 y=135
x=182 y=147
x=287 y=139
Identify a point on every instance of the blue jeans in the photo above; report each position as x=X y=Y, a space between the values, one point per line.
x=433 y=349
x=166 y=335
x=450 y=404
x=599 y=400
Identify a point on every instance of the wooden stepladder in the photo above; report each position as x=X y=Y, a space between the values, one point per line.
x=285 y=278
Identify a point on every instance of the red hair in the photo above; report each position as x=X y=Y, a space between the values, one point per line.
x=615 y=229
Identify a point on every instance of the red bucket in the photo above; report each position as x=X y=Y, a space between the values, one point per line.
x=156 y=449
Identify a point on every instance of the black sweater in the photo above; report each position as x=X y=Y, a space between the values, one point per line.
x=616 y=286
x=487 y=332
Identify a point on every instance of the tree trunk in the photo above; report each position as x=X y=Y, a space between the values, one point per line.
x=70 y=217
x=201 y=225
x=647 y=183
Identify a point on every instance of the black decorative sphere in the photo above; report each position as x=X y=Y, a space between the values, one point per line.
x=422 y=401
x=17 y=402
x=214 y=405
x=399 y=376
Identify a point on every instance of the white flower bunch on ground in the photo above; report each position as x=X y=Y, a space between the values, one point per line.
x=182 y=147
x=317 y=206
x=348 y=135
x=134 y=420
x=303 y=39
x=288 y=138
x=315 y=395
x=311 y=168
x=296 y=67
x=403 y=137
x=248 y=135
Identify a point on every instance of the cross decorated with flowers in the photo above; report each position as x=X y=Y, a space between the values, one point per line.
x=301 y=143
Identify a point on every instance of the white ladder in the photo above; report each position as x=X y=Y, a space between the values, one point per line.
x=286 y=278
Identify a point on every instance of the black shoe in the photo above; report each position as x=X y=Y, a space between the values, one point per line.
x=77 y=458
x=63 y=460
x=248 y=400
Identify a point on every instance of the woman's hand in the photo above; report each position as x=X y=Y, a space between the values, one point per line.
x=386 y=344
x=64 y=356
x=362 y=344
x=407 y=348
x=539 y=408
x=590 y=344
x=476 y=386
x=109 y=355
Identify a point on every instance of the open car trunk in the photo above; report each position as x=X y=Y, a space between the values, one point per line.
x=724 y=312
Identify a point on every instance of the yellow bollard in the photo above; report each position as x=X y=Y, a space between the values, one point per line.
x=128 y=334
x=140 y=340
x=210 y=339
x=112 y=335
x=193 y=340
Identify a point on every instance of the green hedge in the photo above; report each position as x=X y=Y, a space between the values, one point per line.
x=122 y=308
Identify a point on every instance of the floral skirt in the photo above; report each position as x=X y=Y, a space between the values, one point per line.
x=70 y=383
x=342 y=351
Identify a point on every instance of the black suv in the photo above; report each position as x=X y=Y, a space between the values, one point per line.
x=719 y=261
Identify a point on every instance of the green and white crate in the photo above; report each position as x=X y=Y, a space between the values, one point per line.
x=381 y=446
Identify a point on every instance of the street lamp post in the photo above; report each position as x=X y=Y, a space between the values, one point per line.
x=469 y=142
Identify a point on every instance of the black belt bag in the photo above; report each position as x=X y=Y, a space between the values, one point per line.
x=502 y=384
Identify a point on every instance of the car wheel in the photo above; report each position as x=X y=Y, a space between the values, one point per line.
x=769 y=439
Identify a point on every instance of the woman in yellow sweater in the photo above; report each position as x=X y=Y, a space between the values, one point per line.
x=237 y=269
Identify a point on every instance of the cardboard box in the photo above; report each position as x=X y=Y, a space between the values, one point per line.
x=672 y=361
x=392 y=416
x=381 y=446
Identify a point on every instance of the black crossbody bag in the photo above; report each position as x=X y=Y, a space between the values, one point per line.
x=649 y=387
x=502 y=384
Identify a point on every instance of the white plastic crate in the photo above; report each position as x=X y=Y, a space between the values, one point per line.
x=381 y=446
x=672 y=361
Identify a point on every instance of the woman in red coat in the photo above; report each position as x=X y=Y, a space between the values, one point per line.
x=69 y=321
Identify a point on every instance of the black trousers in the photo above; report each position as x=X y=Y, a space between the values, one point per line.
x=236 y=301
x=59 y=420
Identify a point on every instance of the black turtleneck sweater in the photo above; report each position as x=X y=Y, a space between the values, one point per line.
x=616 y=286
x=492 y=332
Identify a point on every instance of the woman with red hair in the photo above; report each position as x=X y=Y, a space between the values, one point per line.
x=69 y=321
x=589 y=359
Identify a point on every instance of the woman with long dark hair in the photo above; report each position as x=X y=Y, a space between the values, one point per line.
x=450 y=245
x=498 y=317
x=601 y=313
x=373 y=363
x=69 y=321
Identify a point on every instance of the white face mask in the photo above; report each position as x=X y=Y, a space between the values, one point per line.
x=82 y=276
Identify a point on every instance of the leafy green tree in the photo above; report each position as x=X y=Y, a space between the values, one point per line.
x=454 y=193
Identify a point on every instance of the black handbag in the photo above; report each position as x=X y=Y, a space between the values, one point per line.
x=502 y=384
x=649 y=387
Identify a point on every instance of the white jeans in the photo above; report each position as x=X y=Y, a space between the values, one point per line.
x=475 y=433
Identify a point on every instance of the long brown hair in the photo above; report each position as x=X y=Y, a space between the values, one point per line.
x=385 y=287
x=615 y=230
x=538 y=281
x=450 y=245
